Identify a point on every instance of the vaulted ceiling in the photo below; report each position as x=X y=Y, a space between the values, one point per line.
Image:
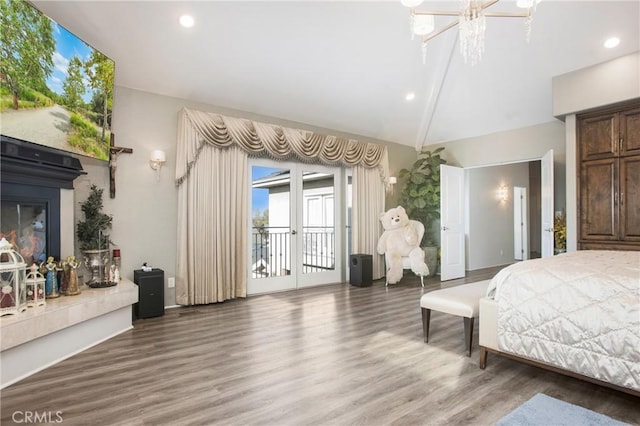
x=348 y=65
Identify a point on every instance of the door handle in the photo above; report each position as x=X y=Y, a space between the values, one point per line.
x=549 y=229
x=444 y=228
x=293 y=232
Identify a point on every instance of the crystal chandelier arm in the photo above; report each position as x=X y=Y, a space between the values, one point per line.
x=457 y=12
x=507 y=14
x=450 y=12
x=427 y=37
x=489 y=4
x=437 y=12
x=487 y=14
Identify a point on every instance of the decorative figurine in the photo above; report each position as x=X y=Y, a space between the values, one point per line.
x=51 y=276
x=64 y=279
x=72 y=285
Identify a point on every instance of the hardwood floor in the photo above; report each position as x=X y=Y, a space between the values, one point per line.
x=329 y=355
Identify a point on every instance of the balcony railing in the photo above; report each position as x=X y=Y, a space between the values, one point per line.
x=271 y=250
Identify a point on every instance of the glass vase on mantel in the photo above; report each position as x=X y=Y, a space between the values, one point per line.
x=97 y=262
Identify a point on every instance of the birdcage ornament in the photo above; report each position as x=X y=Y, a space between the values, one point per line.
x=12 y=280
x=35 y=287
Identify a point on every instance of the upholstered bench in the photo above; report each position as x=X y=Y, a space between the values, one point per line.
x=462 y=300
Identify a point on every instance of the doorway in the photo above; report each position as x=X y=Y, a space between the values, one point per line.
x=294 y=238
x=490 y=227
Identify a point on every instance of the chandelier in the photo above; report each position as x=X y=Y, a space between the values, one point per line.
x=471 y=21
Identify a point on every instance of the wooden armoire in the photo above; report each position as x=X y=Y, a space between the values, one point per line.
x=608 y=155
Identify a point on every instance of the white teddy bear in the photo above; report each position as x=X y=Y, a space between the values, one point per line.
x=401 y=238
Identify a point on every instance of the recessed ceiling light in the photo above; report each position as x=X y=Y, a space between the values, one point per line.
x=611 y=42
x=187 y=21
x=410 y=96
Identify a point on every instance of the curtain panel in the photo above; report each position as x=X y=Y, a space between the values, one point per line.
x=212 y=176
x=211 y=262
x=367 y=198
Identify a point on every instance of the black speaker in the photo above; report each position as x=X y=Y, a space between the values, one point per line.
x=361 y=270
x=150 y=293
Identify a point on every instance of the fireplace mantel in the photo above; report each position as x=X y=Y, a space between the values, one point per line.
x=32 y=164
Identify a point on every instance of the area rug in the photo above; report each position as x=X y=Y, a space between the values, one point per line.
x=544 y=410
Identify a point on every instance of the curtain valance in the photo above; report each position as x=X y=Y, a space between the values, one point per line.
x=198 y=128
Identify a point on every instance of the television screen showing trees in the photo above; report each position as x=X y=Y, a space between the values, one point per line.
x=55 y=90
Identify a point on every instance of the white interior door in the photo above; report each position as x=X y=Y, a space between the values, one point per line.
x=546 y=195
x=452 y=209
x=293 y=238
x=520 y=224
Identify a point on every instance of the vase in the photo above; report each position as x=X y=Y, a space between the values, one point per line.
x=97 y=263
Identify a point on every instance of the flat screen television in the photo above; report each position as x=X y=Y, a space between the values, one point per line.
x=55 y=89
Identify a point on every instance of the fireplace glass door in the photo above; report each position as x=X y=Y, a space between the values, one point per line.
x=24 y=225
x=30 y=221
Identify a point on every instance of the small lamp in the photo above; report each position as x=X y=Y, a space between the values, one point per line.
x=423 y=24
x=503 y=192
x=35 y=287
x=391 y=180
x=526 y=4
x=158 y=158
x=411 y=3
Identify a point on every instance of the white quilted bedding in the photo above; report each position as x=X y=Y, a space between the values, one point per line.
x=579 y=311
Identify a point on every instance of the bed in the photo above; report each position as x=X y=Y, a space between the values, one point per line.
x=576 y=313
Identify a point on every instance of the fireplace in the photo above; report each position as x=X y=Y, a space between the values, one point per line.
x=38 y=210
x=35 y=179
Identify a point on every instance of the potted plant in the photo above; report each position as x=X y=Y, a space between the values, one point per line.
x=93 y=238
x=420 y=196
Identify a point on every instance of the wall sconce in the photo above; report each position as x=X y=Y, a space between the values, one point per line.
x=503 y=192
x=158 y=158
x=391 y=180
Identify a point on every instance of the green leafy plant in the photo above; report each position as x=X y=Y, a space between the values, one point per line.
x=560 y=231
x=92 y=231
x=420 y=195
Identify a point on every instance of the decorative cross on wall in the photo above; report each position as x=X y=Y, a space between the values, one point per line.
x=113 y=163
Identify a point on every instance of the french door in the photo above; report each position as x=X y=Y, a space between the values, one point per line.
x=294 y=238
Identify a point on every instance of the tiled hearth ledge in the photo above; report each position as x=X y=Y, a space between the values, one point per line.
x=41 y=336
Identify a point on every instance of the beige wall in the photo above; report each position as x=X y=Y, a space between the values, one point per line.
x=524 y=144
x=503 y=149
x=490 y=233
x=608 y=83
x=145 y=209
